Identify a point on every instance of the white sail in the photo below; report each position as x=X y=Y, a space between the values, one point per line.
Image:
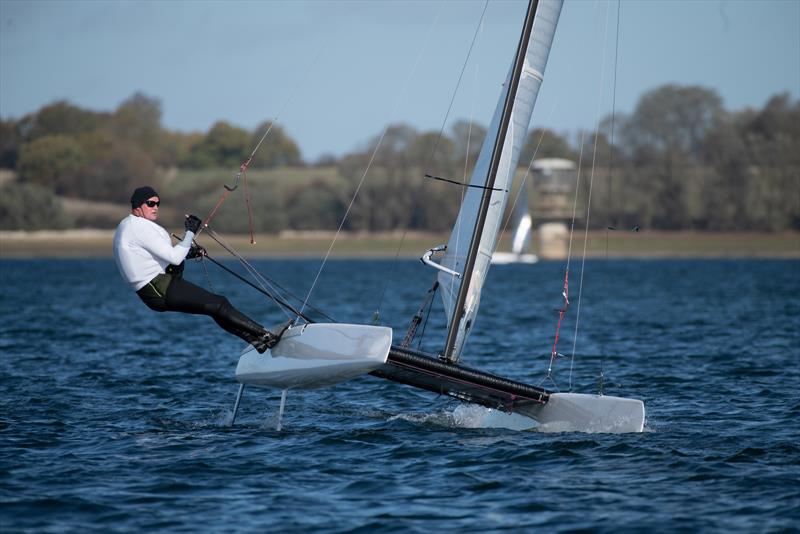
x=538 y=49
x=522 y=223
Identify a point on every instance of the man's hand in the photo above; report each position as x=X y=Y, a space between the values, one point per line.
x=196 y=251
x=192 y=223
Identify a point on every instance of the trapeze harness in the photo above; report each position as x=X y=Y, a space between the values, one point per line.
x=154 y=268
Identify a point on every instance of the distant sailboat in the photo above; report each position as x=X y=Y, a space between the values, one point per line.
x=521 y=239
x=320 y=354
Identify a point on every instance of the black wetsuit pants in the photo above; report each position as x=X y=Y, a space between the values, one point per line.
x=172 y=293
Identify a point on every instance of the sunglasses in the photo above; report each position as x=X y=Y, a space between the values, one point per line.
x=152 y=203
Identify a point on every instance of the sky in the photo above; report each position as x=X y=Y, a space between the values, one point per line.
x=334 y=73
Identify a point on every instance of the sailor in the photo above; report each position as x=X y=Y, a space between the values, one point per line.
x=154 y=268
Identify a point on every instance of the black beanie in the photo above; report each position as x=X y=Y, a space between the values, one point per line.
x=141 y=194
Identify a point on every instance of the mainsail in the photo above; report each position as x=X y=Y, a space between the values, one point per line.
x=474 y=236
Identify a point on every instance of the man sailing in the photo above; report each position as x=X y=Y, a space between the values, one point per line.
x=153 y=267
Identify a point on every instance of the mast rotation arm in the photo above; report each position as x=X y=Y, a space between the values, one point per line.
x=426 y=259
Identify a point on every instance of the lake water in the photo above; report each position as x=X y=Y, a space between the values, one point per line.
x=114 y=418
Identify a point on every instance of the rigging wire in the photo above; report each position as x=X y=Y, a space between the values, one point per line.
x=427 y=316
x=433 y=152
x=565 y=291
x=566 y=269
x=455 y=255
x=267 y=285
x=458 y=84
x=589 y=201
x=246 y=163
x=400 y=97
x=610 y=223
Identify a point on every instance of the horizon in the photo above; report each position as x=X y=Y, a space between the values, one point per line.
x=381 y=63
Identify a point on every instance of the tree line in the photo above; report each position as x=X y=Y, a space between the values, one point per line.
x=679 y=161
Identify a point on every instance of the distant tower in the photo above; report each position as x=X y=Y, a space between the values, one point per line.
x=554 y=190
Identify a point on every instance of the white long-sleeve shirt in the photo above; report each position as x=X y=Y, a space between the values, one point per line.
x=143 y=250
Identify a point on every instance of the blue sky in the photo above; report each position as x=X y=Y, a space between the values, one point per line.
x=335 y=72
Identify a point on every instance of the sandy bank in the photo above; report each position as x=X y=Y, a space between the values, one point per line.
x=97 y=243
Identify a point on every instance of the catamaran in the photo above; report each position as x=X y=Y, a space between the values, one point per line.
x=314 y=355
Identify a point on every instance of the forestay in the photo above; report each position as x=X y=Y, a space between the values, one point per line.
x=455 y=259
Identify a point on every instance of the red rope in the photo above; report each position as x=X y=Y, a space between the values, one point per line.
x=247 y=203
x=242 y=172
x=561 y=313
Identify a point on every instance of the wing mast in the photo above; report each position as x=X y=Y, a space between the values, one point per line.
x=458 y=309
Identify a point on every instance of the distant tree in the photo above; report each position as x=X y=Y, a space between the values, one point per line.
x=725 y=194
x=772 y=142
x=138 y=121
x=391 y=147
x=435 y=206
x=223 y=146
x=432 y=153
x=672 y=120
x=467 y=140
x=664 y=136
x=30 y=207
x=10 y=143
x=176 y=147
x=326 y=160
x=278 y=149
x=51 y=161
x=269 y=216
x=315 y=206
x=61 y=118
x=114 y=168
x=545 y=143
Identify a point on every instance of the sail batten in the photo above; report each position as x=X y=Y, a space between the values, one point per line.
x=475 y=233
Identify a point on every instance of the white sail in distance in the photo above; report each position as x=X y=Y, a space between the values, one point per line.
x=455 y=258
x=522 y=222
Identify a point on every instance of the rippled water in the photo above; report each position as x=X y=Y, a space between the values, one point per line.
x=114 y=418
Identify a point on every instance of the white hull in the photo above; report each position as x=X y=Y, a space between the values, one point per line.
x=316 y=355
x=578 y=412
x=503 y=258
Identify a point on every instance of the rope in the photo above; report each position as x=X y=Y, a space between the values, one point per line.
x=427 y=316
x=400 y=97
x=246 y=163
x=263 y=281
x=565 y=292
x=275 y=298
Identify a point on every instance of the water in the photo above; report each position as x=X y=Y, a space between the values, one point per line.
x=114 y=417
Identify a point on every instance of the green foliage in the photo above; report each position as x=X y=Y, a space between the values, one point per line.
x=467 y=140
x=116 y=167
x=267 y=211
x=30 y=207
x=10 y=142
x=61 y=118
x=315 y=206
x=137 y=121
x=52 y=161
x=223 y=146
x=543 y=143
x=679 y=161
x=277 y=150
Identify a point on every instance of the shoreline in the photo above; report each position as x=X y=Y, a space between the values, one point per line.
x=92 y=243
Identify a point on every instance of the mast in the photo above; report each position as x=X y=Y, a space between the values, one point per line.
x=458 y=309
